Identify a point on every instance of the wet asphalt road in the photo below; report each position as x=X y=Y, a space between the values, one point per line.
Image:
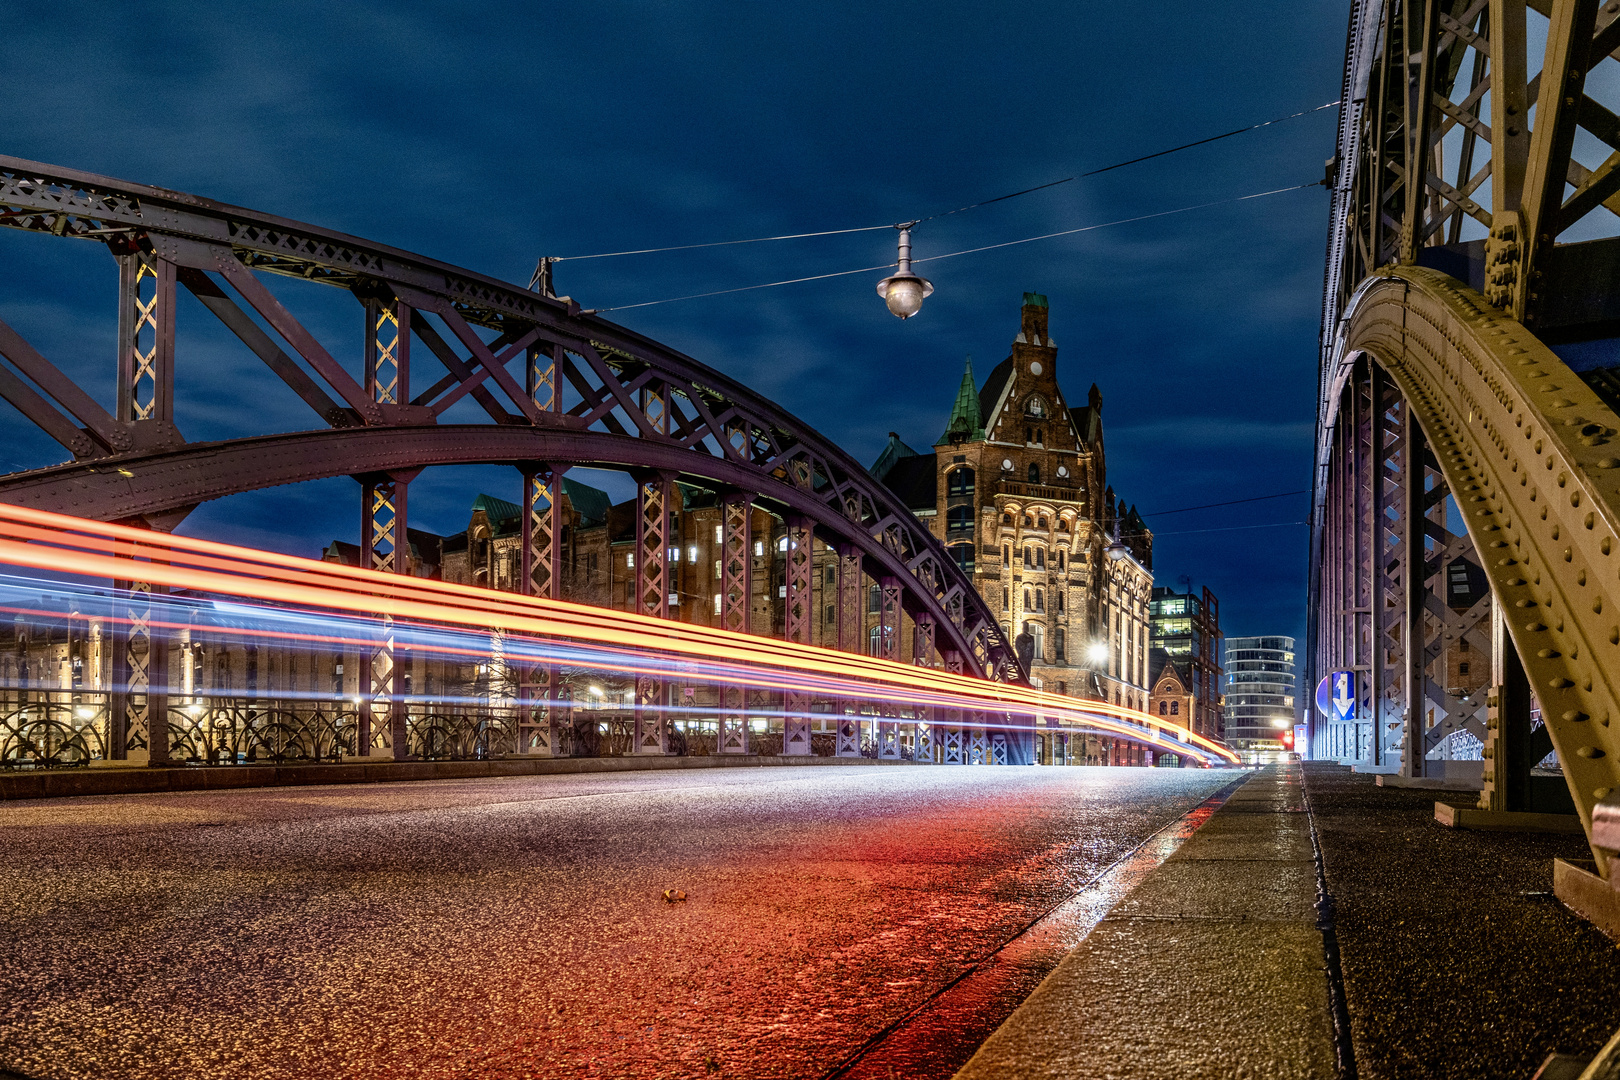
x=515 y=927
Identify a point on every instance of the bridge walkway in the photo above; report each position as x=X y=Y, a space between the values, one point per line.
x=1454 y=959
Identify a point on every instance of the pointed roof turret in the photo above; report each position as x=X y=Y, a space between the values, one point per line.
x=967 y=420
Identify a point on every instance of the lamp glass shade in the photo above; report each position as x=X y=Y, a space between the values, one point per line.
x=905 y=297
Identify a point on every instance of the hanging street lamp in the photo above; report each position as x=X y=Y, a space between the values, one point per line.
x=904 y=292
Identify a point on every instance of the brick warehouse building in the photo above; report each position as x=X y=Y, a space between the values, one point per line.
x=1016 y=487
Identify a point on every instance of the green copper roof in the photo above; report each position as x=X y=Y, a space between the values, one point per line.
x=1034 y=299
x=967 y=422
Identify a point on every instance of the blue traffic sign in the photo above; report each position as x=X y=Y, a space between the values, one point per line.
x=1336 y=695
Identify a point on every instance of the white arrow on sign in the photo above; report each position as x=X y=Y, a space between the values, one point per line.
x=1341 y=694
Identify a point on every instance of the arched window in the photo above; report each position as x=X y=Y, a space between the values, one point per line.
x=1059 y=641
x=1034 y=474
x=1028 y=605
x=874 y=600
x=1038 y=632
x=1175 y=708
x=1060 y=558
x=959 y=519
x=1059 y=594
x=1040 y=558
x=1006 y=554
x=959 y=481
x=1040 y=599
x=1164 y=707
x=963 y=554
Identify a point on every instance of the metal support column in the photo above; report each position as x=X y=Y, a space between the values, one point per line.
x=922 y=739
x=851 y=624
x=654 y=495
x=384 y=548
x=798 y=615
x=736 y=601
x=540 y=575
x=888 y=648
x=954 y=749
x=145 y=339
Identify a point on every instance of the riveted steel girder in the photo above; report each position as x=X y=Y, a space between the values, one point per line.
x=682 y=416
x=1532 y=455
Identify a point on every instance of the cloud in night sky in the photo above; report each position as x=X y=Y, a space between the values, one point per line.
x=489 y=134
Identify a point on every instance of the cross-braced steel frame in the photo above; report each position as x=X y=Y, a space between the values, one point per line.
x=1450 y=434
x=589 y=393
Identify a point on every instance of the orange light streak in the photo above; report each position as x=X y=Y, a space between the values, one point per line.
x=61 y=543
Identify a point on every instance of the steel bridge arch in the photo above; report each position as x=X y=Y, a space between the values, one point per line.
x=164 y=482
x=1527 y=450
x=592 y=393
x=1454 y=277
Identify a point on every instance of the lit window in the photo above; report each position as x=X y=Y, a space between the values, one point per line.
x=674 y=556
x=1175 y=708
x=674 y=599
x=691 y=554
x=759 y=548
x=718 y=537
x=717 y=596
x=630 y=559
x=781 y=545
x=717 y=569
x=781 y=592
x=1164 y=708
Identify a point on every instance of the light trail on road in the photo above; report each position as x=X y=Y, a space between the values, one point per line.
x=332 y=602
x=515 y=927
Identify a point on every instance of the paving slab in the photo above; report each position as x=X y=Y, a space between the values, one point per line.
x=1212 y=968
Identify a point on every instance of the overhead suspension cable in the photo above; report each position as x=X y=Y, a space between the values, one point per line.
x=966 y=251
x=1228 y=502
x=948 y=213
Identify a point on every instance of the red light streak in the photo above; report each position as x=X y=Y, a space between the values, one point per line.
x=60 y=543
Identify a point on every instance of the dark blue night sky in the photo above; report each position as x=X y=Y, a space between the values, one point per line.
x=488 y=134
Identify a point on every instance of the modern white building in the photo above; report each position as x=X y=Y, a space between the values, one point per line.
x=1259 y=693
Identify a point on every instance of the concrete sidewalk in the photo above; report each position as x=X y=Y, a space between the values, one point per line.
x=1454 y=959
x=1212 y=968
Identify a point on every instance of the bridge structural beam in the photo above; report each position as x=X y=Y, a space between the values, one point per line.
x=887 y=718
x=138 y=713
x=798 y=615
x=851 y=615
x=541 y=575
x=922 y=742
x=384 y=547
x=736 y=563
x=145 y=338
x=655 y=492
